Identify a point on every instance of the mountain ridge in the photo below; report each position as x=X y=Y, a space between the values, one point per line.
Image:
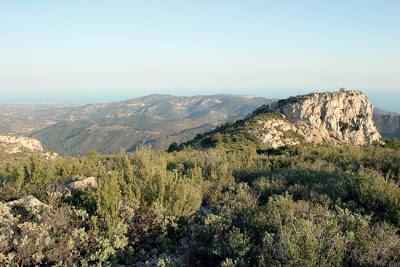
x=388 y=123
x=157 y=120
x=337 y=118
x=110 y=127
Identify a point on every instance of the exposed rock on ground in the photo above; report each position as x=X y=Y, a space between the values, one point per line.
x=82 y=183
x=275 y=136
x=26 y=201
x=16 y=144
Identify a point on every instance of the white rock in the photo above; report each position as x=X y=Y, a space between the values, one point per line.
x=83 y=183
x=27 y=201
x=339 y=117
x=16 y=144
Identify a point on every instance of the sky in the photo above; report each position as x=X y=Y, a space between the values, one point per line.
x=97 y=51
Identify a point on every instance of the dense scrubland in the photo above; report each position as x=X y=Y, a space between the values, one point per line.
x=309 y=205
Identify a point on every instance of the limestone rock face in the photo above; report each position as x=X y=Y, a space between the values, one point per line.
x=82 y=183
x=26 y=201
x=275 y=135
x=339 y=117
x=16 y=144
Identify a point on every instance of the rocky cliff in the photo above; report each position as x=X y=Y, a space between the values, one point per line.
x=337 y=118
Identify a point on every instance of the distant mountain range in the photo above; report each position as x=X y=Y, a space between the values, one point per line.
x=388 y=123
x=157 y=120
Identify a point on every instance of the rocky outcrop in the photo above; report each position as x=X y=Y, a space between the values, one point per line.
x=16 y=144
x=339 y=117
x=273 y=132
x=26 y=202
x=343 y=117
x=82 y=183
x=25 y=145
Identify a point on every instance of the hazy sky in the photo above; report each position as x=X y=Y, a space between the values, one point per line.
x=92 y=50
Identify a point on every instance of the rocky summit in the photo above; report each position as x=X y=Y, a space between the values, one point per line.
x=343 y=117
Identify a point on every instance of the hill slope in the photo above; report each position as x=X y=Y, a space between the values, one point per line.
x=23 y=119
x=157 y=120
x=339 y=117
x=388 y=123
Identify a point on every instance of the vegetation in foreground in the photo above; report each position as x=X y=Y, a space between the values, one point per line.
x=298 y=206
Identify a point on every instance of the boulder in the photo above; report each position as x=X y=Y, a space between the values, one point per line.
x=26 y=201
x=82 y=183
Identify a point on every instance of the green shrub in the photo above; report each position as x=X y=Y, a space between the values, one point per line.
x=309 y=205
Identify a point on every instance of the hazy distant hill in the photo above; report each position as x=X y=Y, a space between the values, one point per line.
x=388 y=123
x=22 y=119
x=156 y=119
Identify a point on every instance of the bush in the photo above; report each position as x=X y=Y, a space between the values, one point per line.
x=296 y=206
